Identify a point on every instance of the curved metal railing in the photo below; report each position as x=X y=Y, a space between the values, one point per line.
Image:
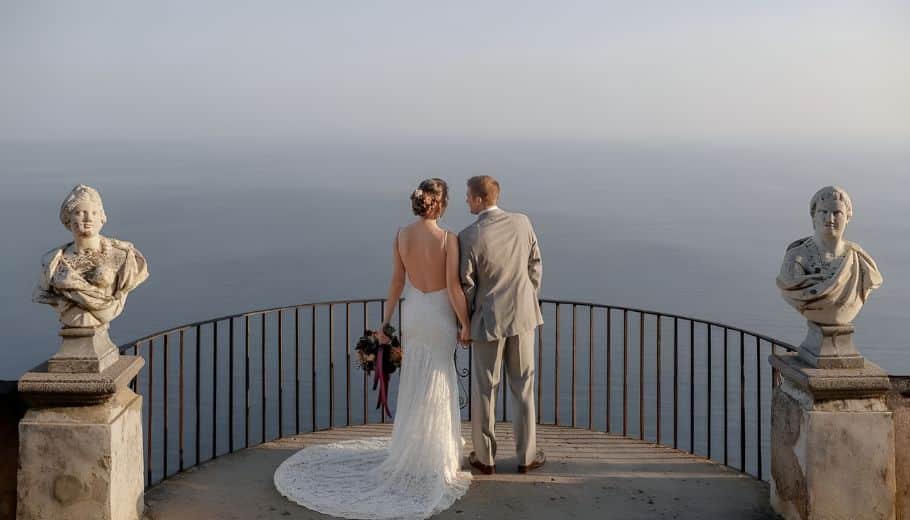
x=220 y=385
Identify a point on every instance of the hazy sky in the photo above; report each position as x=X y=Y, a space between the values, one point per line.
x=725 y=70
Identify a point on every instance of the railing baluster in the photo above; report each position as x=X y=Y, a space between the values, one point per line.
x=504 y=385
x=574 y=348
x=181 y=397
x=641 y=376
x=691 y=386
x=773 y=369
x=198 y=394
x=774 y=374
x=708 y=333
x=471 y=381
x=231 y=385
x=280 y=374
x=331 y=366
x=347 y=365
x=151 y=408
x=609 y=356
x=313 y=355
x=657 y=406
x=246 y=384
x=758 y=442
x=400 y=331
x=365 y=390
x=297 y=369
x=538 y=372
x=164 y=437
x=262 y=373
x=134 y=384
x=742 y=401
x=675 y=382
x=590 y=367
x=556 y=370
x=726 y=395
x=382 y=409
x=625 y=371
x=214 y=389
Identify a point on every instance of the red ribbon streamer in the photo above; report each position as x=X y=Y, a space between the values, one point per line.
x=382 y=380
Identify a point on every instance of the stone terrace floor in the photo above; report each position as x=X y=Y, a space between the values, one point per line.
x=588 y=475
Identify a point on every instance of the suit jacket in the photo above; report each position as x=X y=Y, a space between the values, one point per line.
x=500 y=274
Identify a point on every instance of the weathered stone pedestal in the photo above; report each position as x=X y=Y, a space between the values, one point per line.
x=82 y=461
x=84 y=350
x=80 y=443
x=830 y=346
x=832 y=442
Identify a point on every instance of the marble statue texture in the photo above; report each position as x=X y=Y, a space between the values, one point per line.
x=87 y=280
x=825 y=277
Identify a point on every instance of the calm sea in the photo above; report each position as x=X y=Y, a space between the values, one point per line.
x=227 y=227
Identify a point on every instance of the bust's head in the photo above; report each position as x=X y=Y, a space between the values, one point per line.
x=82 y=212
x=831 y=209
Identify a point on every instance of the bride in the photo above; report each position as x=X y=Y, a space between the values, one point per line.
x=415 y=473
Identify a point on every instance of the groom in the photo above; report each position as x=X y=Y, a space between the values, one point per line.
x=500 y=274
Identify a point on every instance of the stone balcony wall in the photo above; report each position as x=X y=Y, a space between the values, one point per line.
x=11 y=410
x=898 y=400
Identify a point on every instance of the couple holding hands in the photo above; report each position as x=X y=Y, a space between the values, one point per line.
x=480 y=286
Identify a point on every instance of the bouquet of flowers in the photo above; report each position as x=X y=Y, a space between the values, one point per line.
x=369 y=350
x=383 y=358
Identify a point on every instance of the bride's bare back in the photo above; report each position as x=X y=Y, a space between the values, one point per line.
x=423 y=253
x=428 y=256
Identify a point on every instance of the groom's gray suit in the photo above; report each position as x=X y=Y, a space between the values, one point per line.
x=500 y=274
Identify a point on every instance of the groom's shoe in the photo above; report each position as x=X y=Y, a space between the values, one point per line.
x=538 y=461
x=480 y=466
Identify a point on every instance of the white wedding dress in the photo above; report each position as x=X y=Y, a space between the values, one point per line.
x=416 y=473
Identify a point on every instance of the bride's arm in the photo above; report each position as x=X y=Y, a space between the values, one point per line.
x=453 y=283
x=396 y=285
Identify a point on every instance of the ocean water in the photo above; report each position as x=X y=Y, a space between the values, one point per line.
x=226 y=227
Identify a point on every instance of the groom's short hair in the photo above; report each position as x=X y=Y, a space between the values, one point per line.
x=485 y=187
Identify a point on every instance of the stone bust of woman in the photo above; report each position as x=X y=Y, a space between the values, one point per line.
x=87 y=280
x=824 y=277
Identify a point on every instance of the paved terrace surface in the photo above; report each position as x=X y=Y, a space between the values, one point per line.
x=588 y=475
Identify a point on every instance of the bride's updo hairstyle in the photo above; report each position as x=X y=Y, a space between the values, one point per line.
x=430 y=199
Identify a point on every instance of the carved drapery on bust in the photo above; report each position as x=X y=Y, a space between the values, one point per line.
x=828 y=279
x=90 y=289
x=834 y=298
x=87 y=280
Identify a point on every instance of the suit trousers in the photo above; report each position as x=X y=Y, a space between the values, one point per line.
x=488 y=356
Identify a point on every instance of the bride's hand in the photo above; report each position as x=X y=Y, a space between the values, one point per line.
x=383 y=339
x=464 y=335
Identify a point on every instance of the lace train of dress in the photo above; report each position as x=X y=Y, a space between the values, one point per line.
x=415 y=473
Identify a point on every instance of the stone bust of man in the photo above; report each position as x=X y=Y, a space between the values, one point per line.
x=825 y=277
x=87 y=280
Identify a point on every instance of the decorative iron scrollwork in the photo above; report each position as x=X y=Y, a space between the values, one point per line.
x=463 y=373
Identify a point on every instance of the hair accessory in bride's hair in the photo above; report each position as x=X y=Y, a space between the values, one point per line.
x=418 y=193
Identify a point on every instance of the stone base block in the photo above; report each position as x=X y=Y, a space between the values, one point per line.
x=82 y=461
x=832 y=444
